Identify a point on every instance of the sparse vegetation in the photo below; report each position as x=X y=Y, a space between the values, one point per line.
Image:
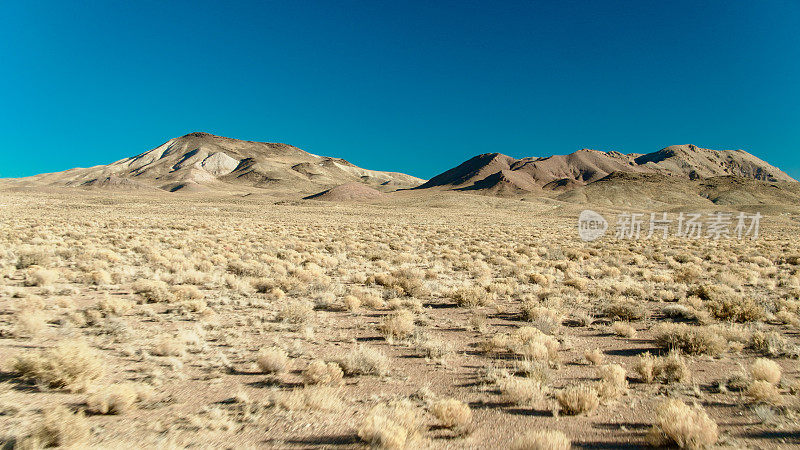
x=580 y=399
x=272 y=360
x=250 y=323
x=682 y=425
x=72 y=365
x=542 y=440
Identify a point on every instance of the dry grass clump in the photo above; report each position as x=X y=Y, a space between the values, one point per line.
x=368 y=298
x=527 y=342
x=317 y=398
x=433 y=348
x=41 y=277
x=352 y=303
x=679 y=424
x=117 y=398
x=542 y=440
x=71 y=365
x=580 y=399
x=522 y=391
x=320 y=372
x=30 y=322
x=398 y=324
x=544 y=318
x=169 y=346
x=625 y=310
x=452 y=413
x=114 y=305
x=472 y=296
x=272 y=360
x=100 y=277
x=613 y=383
x=154 y=291
x=693 y=340
x=539 y=278
x=391 y=426
x=623 y=329
x=679 y=311
x=187 y=292
x=764 y=369
x=771 y=343
x=595 y=357
x=760 y=391
x=669 y=369
x=725 y=304
x=58 y=427
x=33 y=257
x=366 y=361
x=296 y=312
x=402 y=282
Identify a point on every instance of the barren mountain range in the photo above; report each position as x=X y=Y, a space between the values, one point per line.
x=202 y=161
x=683 y=174
x=505 y=175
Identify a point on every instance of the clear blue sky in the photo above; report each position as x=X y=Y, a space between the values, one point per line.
x=410 y=86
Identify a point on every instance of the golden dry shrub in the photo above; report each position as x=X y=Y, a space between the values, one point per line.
x=539 y=278
x=623 y=329
x=693 y=340
x=169 y=346
x=114 y=305
x=764 y=369
x=613 y=383
x=316 y=398
x=542 y=440
x=726 y=304
x=352 y=303
x=320 y=372
x=625 y=309
x=595 y=357
x=530 y=343
x=580 y=399
x=533 y=311
x=365 y=361
x=71 y=365
x=33 y=257
x=30 y=322
x=522 y=391
x=296 y=311
x=58 y=427
x=100 y=277
x=117 y=398
x=452 y=413
x=41 y=277
x=679 y=424
x=646 y=367
x=398 y=324
x=472 y=296
x=153 y=291
x=187 y=292
x=672 y=368
x=272 y=360
x=391 y=426
x=760 y=391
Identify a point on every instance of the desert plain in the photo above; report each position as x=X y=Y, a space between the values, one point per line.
x=405 y=321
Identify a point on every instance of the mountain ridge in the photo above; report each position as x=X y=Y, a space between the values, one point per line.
x=496 y=173
x=200 y=161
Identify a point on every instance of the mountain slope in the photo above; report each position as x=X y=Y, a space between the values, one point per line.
x=202 y=161
x=498 y=174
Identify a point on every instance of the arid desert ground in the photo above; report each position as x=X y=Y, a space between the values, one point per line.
x=455 y=321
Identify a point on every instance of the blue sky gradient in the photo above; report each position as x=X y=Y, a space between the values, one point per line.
x=415 y=87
